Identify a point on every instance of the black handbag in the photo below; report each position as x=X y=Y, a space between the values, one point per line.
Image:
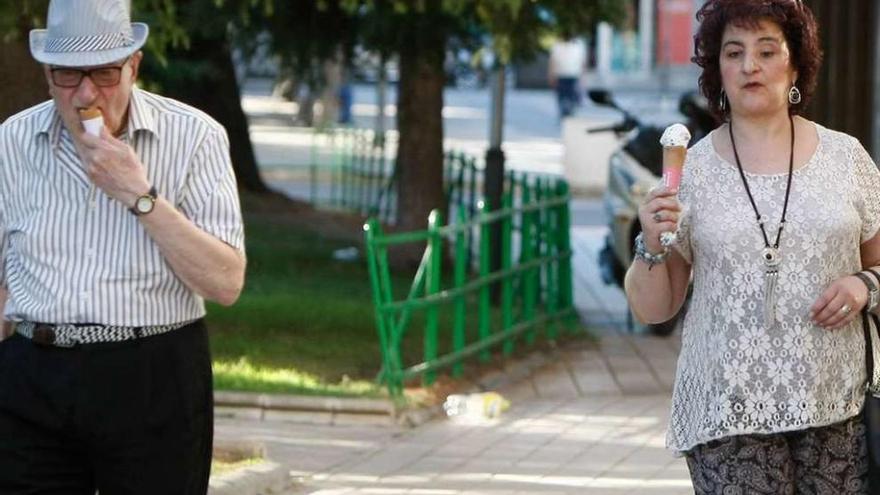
x=871 y=410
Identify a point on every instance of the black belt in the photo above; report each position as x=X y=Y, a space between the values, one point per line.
x=69 y=335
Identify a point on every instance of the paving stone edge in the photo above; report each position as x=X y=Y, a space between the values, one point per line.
x=352 y=410
x=258 y=479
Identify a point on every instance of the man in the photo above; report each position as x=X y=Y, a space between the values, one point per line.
x=109 y=244
x=567 y=62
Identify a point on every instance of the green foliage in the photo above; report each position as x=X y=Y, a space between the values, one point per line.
x=305 y=32
x=17 y=17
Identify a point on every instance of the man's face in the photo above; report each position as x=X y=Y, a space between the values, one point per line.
x=94 y=90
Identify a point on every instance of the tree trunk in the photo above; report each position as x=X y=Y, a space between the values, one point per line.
x=21 y=78
x=420 y=123
x=215 y=91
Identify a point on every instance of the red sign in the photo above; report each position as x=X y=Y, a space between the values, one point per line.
x=674 y=32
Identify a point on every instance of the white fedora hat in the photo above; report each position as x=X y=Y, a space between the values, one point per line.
x=83 y=33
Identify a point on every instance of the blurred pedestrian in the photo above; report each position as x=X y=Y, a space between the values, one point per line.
x=568 y=58
x=345 y=96
x=777 y=221
x=108 y=244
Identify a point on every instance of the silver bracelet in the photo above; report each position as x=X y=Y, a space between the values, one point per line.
x=641 y=253
x=873 y=289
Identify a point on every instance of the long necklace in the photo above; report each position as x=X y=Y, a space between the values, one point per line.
x=770 y=253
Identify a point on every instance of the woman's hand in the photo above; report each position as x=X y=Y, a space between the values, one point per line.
x=840 y=303
x=659 y=213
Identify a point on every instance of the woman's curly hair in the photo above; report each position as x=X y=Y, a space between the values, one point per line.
x=792 y=16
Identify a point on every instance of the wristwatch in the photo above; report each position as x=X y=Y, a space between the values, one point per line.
x=144 y=204
x=873 y=290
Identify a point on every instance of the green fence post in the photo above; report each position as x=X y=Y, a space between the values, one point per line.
x=528 y=254
x=377 y=266
x=541 y=241
x=506 y=262
x=485 y=270
x=565 y=273
x=458 y=337
x=432 y=286
x=552 y=266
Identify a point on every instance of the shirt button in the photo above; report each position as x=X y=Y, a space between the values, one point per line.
x=84 y=294
x=90 y=252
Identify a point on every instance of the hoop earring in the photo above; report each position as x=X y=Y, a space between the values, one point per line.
x=722 y=101
x=794 y=95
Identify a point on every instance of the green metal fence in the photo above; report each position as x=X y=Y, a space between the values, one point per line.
x=535 y=281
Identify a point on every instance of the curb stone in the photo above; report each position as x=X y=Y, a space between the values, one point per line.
x=351 y=410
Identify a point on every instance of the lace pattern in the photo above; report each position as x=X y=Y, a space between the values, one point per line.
x=735 y=376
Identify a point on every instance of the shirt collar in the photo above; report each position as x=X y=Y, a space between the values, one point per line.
x=141 y=116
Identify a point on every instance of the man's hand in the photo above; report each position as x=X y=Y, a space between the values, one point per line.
x=6 y=330
x=114 y=167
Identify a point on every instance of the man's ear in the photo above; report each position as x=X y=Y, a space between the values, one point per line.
x=136 y=64
x=48 y=75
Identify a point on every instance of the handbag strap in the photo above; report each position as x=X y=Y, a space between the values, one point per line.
x=866 y=327
x=869 y=355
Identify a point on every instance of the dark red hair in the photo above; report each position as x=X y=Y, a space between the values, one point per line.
x=792 y=16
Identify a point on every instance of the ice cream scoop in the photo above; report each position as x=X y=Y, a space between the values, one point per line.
x=92 y=120
x=675 y=135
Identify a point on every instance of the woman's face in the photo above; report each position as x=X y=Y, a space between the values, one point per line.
x=756 y=69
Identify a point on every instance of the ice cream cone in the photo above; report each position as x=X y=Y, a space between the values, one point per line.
x=92 y=120
x=674 y=141
x=673 y=165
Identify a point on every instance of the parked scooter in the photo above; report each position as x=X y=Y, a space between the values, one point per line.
x=633 y=170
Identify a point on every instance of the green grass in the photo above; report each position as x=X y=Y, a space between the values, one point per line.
x=304 y=322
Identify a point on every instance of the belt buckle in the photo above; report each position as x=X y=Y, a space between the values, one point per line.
x=43 y=334
x=48 y=335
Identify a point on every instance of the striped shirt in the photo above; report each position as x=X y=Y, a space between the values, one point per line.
x=66 y=260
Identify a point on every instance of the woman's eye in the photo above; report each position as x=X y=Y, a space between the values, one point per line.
x=733 y=54
x=767 y=54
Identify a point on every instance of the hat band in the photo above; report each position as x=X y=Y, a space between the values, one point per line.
x=96 y=43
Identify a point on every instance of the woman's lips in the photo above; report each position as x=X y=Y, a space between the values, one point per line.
x=753 y=85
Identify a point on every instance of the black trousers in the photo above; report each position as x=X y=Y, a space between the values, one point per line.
x=130 y=417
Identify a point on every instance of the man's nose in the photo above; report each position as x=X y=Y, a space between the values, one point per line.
x=86 y=92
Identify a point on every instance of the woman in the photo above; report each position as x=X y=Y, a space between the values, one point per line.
x=779 y=217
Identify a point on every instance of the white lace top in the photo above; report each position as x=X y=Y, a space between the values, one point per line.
x=734 y=375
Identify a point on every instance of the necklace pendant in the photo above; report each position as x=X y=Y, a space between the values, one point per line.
x=771 y=258
x=770 y=255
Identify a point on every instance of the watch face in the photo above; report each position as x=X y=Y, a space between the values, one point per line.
x=144 y=204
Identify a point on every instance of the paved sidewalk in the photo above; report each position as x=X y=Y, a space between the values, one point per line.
x=592 y=421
